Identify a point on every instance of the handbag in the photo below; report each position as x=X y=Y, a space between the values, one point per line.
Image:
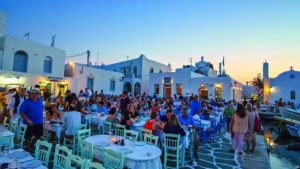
x=231 y=123
x=257 y=124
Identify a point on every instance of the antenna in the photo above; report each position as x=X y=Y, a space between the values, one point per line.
x=191 y=61
x=97 y=58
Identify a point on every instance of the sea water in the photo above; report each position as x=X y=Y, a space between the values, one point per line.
x=278 y=162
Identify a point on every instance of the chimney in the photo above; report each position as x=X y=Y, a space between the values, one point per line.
x=88 y=58
x=202 y=58
x=220 y=68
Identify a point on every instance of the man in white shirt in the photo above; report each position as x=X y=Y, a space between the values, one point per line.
x=72 y=120
x=16 y=101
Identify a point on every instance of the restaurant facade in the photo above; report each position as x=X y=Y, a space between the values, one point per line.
x=26 y=63
x=201 y=80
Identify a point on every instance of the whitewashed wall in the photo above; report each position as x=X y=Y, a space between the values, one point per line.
x=101 y=78
x=282 y=85
x=147 y=64
x=2 y=24
x=36 y=55
x=191 y=82
x=143 y=65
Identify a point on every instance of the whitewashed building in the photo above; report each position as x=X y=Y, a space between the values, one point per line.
x=200 y=80
x=286 y=86
x=137 y=73
x=27 y=63
x=81 y=76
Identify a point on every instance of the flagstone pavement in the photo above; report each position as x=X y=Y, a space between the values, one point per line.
x=217 y=156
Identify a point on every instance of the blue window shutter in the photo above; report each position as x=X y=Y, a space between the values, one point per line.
x=47 y=65
x=20 y=62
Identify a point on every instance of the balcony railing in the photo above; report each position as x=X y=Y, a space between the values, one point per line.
x=139 y=76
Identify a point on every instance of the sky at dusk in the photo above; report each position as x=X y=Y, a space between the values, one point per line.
x=246 y=32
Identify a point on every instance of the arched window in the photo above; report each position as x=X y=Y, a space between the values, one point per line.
x=151 y=70
x=20 y=61
x=47 y=64
x=137 y=89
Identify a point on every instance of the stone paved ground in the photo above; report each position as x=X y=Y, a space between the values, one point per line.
x=217 y=156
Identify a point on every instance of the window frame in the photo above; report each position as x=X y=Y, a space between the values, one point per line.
x=112 y=85
x=50 y=62
x=156 y=88
x=293 y=95
x=88 y=83
x=16 y=65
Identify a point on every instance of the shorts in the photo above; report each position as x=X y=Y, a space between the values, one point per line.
x=35 y=130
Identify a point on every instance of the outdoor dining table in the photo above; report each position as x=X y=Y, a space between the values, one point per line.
x=137 y=156
x=55 y=127
x=205 y=124
x=20 y=159
x=4 y=133
x=138 y=125
x=96 y=119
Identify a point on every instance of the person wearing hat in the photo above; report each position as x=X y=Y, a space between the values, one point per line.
x=187 y=120
x=31 y=111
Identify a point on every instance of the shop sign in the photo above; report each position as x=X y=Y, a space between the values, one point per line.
x=55 y=79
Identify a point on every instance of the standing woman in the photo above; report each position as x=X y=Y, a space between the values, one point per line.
x=251 y=134
x=239 y=127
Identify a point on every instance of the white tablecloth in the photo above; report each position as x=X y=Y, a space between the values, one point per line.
x=22 y=161
x=95 y=119
x=56 y=128
x=186 y=139
x=205 y=124
x=137 y=159
x=138 y=126
x=8 y=134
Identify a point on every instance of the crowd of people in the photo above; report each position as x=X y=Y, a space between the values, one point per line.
x=167 y=115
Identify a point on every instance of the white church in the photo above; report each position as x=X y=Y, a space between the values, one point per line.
x=286 y=86
x=201 y=79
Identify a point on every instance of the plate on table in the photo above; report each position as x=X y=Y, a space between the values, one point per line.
x=102 y=144
x=124 y=151
x=139 y=143
x=31 y=164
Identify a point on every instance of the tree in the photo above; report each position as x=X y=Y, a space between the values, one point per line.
x=258 y=81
